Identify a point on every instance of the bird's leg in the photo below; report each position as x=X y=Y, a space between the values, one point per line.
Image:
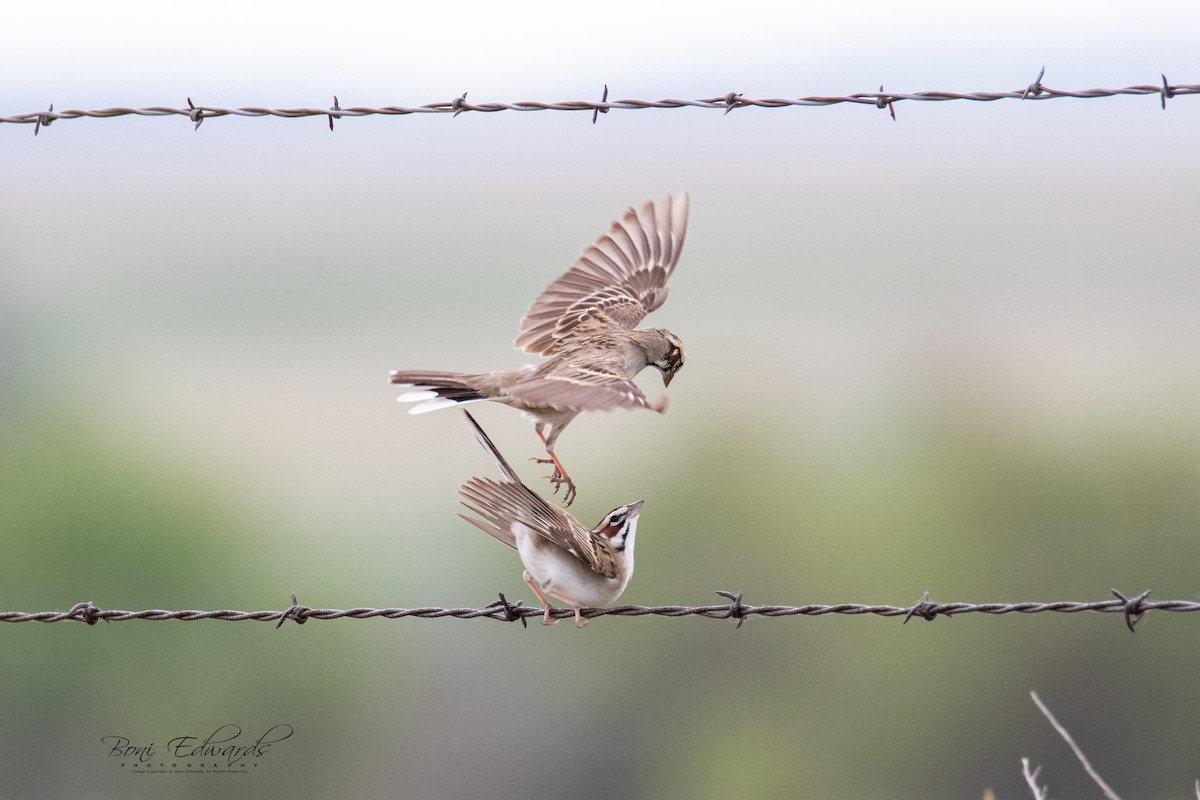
x=546 y=620
x=559 y=476
x=580 y=622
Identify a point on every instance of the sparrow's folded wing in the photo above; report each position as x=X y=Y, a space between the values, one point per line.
x=593 y=381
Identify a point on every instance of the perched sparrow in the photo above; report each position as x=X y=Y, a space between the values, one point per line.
x=584 y=322
x=562 y=558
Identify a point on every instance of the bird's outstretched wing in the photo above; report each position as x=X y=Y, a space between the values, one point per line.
x=503 y=504
x=618 y=279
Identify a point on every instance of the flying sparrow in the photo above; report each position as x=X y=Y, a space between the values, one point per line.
x=563 y=559
x=584 y=322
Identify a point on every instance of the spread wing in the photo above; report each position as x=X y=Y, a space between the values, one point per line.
x=620 y=278
x=592 y=380
x=503 y=504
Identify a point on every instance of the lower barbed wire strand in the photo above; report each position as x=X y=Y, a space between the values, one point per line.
x=1134 y=608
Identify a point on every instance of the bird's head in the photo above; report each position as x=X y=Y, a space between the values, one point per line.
x=619 y=527
x=668 y=356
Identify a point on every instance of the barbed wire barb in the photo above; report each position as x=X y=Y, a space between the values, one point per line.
x=332 y=112
x=885 y=101
x=195 y=114
x=297 y=612
x=598 y=110
x=925 y=609
x=1035 y=89
x=727 y=102
x=735 y=607
x=510 y=610
x=1166 y=94
x=1132 y=609
x=43 y=121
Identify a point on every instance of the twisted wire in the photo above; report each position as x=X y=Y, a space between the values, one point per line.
x=1133 y=608
x=726 y=103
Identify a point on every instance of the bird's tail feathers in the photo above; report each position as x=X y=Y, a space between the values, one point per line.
x=505 y=468
x=433 y=390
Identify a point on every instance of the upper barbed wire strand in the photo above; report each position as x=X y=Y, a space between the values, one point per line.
x=725 y=103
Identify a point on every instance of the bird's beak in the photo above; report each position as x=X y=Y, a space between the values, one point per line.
x=667 y=376
x=636 y=507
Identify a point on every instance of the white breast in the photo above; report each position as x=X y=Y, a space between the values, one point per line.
x=563 y=576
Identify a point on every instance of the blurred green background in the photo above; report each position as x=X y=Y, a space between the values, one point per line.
x=956 y=353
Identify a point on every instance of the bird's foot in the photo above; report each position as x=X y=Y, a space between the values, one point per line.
x=548 y=608
x=559 y=478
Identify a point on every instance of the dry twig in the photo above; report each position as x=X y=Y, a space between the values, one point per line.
x=1095 y=776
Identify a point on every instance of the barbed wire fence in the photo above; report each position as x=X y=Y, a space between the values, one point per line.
x=1132 y=608
x=726 y=103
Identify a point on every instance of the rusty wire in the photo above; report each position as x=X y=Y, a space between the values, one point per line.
x=1132 y=608
x=725 y=103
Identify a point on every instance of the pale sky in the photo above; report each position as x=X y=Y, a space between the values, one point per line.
x=75 y=53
